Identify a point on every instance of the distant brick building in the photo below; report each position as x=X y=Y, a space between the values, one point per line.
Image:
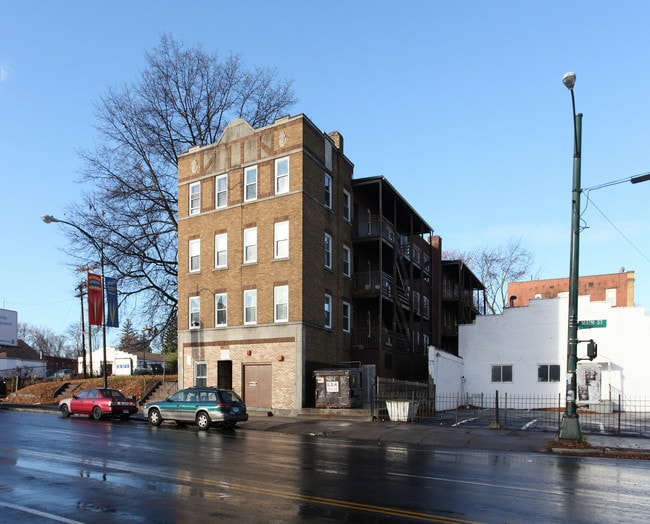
x=615 y=288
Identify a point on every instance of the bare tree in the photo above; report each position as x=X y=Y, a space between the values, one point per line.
x=44 y=340
x=495 y=267
x=185 y=97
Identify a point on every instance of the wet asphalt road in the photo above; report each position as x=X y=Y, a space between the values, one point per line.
x=79 y=470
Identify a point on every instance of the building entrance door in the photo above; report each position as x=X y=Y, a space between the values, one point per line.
x=257 y=385
x=224 y=374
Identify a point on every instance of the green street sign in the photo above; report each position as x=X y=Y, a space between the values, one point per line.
x=588 y=324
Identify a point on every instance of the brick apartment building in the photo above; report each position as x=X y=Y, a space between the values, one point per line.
x=287 y=265
x=615 y=288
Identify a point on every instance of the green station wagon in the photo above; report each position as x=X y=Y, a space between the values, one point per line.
x=203 y=406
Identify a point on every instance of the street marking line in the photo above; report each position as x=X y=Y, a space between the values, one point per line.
x=38 y=513
x=476 y=483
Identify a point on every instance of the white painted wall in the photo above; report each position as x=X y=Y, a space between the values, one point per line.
x=525 y=337
x=446 y=370
x=118 y=359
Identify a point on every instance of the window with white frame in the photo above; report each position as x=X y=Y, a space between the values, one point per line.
x=200 y=374
x=281 y=304
x=195 y=255
x=328 y=251
x=195 y=198
x=346 y=261
x=502 y=373
x=281 y=240
x=195 y=312
x=328 y=311
x=250 y=245
x=250 y=183
x=548 y=373
x=222 y=191
x=346 y=317
x=221 y=250
x=221 y=309
x=250 y=306
x=346 y=205
x=282 y=175
x=328 y=191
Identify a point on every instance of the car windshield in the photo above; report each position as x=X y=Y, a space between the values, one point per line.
x=113 y=393
x=230 y=396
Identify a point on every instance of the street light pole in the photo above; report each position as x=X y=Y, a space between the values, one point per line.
x=83 y=329
x=570 y=428
x=48 y=219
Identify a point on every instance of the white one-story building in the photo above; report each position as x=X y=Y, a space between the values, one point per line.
x=523 y=351
x=118 y=362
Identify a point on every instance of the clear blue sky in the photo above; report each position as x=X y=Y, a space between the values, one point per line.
x=459 y=104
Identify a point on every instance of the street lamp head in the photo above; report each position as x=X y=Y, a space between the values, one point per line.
x=48 y=219
x=569 y=80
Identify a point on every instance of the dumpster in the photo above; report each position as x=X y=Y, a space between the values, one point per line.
x=338 y=388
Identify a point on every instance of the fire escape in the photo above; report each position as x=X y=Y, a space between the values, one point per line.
x=392 y=285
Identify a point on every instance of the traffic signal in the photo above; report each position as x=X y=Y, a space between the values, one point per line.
x=592 y=350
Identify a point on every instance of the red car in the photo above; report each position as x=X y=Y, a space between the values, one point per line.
x=98 y=403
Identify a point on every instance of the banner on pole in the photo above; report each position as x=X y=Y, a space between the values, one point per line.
x=95 y=300
x=112 y=319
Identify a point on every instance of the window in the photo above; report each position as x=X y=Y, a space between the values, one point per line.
x=250 y=245
x=250 y=306
x=328 y=251
x=195 y=312
x=195 y=254
x=221 y=309
x=200 y=374
x=328 y=154
x=328 y=192
x=195 y=198
x=281 y=304
x=346 y=205
x=222 y=191
x=282 y=175
x=502 y=373
x=281 y=242
x=548 y=373
x=346 y=317
x=250 y=183
x=346 y=261
x=221 y=250
x=328 y=311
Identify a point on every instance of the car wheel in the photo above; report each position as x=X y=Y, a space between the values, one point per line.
x=203 y=420
x=97 y=413
x=65 y=410
x=154 y=417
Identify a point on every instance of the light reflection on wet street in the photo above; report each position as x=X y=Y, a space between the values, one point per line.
x=79 y=470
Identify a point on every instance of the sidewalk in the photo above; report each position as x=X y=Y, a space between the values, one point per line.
x=445 y=437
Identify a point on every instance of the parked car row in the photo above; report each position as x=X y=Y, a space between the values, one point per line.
x=203 y=406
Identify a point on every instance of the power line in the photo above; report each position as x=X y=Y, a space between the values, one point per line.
x=589 y=200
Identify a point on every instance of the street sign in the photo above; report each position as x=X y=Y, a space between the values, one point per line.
x=588 y=324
